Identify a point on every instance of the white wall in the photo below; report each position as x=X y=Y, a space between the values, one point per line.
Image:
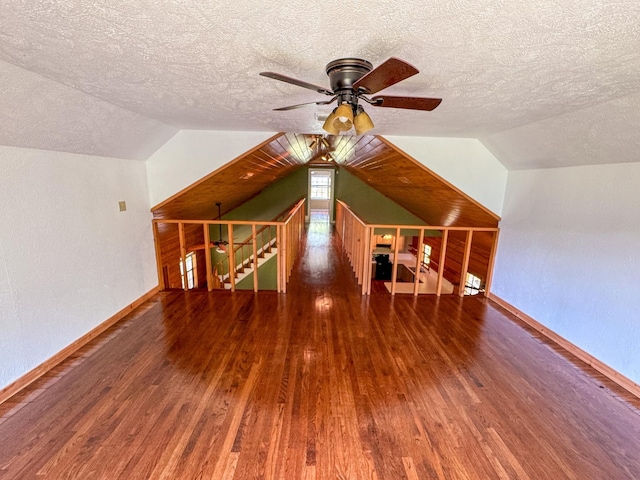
x=464 y=162
x=569 y=256
x=68 y=258
x=193 y=154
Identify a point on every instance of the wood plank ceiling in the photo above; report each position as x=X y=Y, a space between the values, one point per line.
x=237 y=181
x=372 y=159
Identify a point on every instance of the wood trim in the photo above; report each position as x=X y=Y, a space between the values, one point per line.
x=34 y=374
x=433 y=227
x=216 y=171
x=222 y=222
x=576 y=351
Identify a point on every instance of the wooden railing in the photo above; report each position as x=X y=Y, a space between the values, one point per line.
x=292 y=230
x=286 y=232
x=244 y=254
x=358 y=242
x=244 y=251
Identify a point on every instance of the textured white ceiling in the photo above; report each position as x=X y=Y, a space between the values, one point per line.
x=514 y=74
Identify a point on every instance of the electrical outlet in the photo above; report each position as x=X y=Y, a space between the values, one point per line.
x=123 y=206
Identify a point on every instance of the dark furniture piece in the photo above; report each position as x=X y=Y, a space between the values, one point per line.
x=383 y=267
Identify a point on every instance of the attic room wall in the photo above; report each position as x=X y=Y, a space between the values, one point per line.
x=69 y=259
x=193 y=154
x=568 y=257
x=464 y=162
x=369 y=204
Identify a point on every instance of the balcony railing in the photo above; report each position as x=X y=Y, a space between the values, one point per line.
x=358 y=240
x=175 y=238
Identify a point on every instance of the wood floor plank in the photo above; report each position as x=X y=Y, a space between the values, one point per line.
x=320 y=383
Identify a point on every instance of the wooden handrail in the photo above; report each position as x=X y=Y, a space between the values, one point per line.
x=286 y=213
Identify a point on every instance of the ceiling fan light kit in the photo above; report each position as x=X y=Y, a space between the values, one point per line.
x=221 y=244
x=343 y=120
x=362 y=122
x=351 y=80
x=329 y=126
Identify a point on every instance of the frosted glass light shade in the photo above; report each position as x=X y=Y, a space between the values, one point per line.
x=344 y=118
x=328 y=125
x=362 y=123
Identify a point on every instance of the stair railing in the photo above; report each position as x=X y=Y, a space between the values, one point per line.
x=244 y=256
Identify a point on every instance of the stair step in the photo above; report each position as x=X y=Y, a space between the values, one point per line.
x=248 y=267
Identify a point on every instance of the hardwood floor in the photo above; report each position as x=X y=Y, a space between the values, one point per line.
x=320 y=383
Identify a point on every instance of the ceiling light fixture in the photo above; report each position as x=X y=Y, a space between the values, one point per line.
x=353 y=80
x=346 y=116
x=221 y=244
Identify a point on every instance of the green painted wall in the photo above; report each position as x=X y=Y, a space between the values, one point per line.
x=273 y=199
x=373 y=207
x=267 y=277
x=369 y=204
x=265 y=206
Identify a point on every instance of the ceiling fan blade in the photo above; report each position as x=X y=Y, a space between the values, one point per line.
x=410 y=103
x=384 y=75
x=300 y=105
x=295 y=81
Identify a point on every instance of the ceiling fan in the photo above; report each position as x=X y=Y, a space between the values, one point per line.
x=221 y=245
x=352 y=80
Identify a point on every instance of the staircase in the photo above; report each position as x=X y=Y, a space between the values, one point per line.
x=245 y=269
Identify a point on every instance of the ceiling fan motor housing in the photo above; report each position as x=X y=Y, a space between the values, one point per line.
x=344 y=72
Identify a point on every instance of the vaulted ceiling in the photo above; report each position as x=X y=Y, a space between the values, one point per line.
x=541 y=84
x=372 y=159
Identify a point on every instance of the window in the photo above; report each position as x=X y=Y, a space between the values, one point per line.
x=191 y=272
x=320 y=187
x=472 y=285
x=426 y=255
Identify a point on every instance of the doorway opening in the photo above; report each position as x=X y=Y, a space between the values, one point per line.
x=321 y=191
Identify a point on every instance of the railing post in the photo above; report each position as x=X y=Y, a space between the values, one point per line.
x=207 y=255
x=279 y=259
x=492 y=259
x=394 y=273
x=232 y=260
x=465 y=263
x=183 y=256
x=443 y=255
x=416 y=280
x=255 y=257
x=156 y=241
x=366 y=261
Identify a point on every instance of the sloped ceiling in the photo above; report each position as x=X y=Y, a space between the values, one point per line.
x=237 y=181
x=372 y=159
x=520 y=76
x=409 y=183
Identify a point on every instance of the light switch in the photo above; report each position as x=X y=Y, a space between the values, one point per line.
x=123 y=206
